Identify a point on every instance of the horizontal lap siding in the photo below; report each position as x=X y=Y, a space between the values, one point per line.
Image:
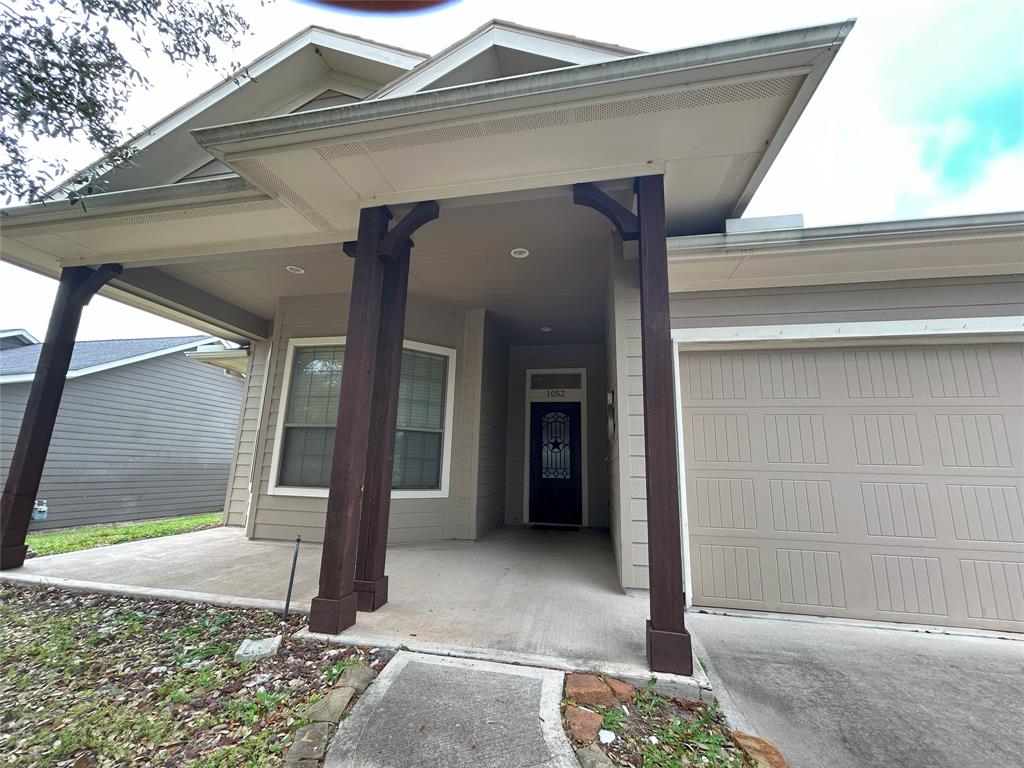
x=490 y=470
x=904 y=300
x=236 y=502
x=283 y=517
x=616 y=519
x=151 y=439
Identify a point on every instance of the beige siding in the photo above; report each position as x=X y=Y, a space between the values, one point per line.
x=629 y=426
x=592 y=358
x=490 y=497
x=616 y=490
x=469 y=413
x=282 y=517
x=236 y=502
x=906 y=300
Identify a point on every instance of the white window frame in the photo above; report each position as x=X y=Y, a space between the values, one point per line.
x=274 y=489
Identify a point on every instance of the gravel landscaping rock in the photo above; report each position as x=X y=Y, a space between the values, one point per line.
x=310 y=743
x=589 y=690
x=358 y=676
x=330 y=708
x=255 y=649
x=623 y=691
x=593 y=757
x=583 y=724
x=762 y=751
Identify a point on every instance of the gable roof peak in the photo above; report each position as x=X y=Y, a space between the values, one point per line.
x=544 y=48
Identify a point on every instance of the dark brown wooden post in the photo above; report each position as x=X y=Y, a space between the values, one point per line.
x=371 y=583
x=334 y=608
x=77 y=287
x=668 y=643
x=359 y=503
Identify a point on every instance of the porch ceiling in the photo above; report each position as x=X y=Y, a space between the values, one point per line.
x=462 y=258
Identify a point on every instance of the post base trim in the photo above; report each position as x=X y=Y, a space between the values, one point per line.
x=371 y=594
x=330 y=616
x=669 y=651
x=12 y=557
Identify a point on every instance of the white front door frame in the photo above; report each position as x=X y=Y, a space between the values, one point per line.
x=556 y=396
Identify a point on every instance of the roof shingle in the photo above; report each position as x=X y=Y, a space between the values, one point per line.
x=22 y=360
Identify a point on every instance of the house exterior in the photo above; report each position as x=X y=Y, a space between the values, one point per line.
x=142 y=432
x=509 y=284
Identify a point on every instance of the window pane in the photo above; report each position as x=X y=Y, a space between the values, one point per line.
x=417 y=460
x=422 y=390
x=306 y=457
x=315 y=384
x=312 y=412
x=555 y=381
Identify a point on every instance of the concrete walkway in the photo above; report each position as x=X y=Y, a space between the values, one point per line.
x=455 y=713
x=547 y=598
x=854 y=697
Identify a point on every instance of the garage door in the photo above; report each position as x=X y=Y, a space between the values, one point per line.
x=876 y=483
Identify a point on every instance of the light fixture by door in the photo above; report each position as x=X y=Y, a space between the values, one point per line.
x=545 y=329
x=295 y=270
x=519 y=253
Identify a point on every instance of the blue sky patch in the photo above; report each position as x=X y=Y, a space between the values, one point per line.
x=965 y=134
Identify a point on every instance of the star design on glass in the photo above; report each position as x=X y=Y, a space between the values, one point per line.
x=555 y=445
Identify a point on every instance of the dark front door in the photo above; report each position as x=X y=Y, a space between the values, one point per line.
x=556 y=482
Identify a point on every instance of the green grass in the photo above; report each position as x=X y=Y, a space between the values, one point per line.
x=73 y=539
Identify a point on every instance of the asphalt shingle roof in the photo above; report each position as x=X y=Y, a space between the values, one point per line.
x=87 y=354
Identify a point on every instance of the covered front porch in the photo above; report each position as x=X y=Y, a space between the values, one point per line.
x=545 y=597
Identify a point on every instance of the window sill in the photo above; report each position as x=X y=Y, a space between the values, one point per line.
x=322 y=493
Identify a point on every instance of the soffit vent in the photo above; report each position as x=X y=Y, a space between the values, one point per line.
x=255 y=171
x=156 y=217
x=693 y=98
x=736 y=177
x=339 y=151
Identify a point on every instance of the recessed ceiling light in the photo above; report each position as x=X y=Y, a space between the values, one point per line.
x=295 y=270
x=519 y=253
x=545 y=329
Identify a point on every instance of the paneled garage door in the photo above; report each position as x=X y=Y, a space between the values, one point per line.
x=875 y=482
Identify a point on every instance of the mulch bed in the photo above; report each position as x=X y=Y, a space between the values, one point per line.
x=100 y=680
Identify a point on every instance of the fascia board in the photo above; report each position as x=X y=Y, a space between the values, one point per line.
x=794 y=49
x=818 y=69
x=224 y=189
x=872 y=235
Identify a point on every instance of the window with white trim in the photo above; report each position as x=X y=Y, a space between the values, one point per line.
x=313 y=384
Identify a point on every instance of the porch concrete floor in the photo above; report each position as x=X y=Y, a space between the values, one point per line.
x=542 y=597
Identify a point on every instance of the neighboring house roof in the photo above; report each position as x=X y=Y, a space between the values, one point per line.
x=19 y=336
x=19 y=364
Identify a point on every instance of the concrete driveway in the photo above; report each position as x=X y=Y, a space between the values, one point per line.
x=856 y=697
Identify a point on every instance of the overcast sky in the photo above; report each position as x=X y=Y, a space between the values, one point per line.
x=922 y=113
